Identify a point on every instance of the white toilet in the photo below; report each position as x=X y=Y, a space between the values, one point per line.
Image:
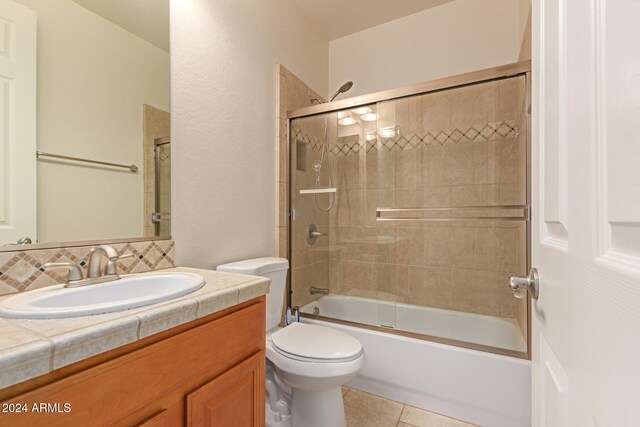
x=311 y=362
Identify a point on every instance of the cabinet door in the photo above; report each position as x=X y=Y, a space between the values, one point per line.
x=233 y=399
x=161 y=419
x=170 y=417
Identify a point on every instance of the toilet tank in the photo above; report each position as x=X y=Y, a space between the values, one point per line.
x=271 y=268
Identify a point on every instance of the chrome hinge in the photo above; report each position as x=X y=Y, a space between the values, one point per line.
x=292 y=214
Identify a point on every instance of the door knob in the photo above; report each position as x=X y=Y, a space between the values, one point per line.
x=520 y=285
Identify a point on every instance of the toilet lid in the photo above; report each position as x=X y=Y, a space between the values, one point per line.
x=316 y=342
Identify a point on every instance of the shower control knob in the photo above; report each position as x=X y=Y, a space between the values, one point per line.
x=520 y=285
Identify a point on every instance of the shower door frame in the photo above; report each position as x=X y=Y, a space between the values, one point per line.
x=522 y=68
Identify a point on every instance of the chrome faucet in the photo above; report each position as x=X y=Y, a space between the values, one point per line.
x=94 y=270
x=95 y=260
x=315 y=290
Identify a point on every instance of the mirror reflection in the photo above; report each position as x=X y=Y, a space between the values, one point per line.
x=92 y=161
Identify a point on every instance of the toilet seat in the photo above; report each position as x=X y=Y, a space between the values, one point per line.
x=313 y=343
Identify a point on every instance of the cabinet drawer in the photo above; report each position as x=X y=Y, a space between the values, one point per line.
x=151 y=379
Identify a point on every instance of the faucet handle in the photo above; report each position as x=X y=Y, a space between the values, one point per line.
x=112 y=268
x=75 y=273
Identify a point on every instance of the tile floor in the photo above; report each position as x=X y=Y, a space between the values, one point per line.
x=368 y=410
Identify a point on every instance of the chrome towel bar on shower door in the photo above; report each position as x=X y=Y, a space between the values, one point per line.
x=466 y=213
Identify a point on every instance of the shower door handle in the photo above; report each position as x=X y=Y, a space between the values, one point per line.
x=160 y=217
x=520 y=285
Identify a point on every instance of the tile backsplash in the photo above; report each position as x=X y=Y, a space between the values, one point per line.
x=22 y=270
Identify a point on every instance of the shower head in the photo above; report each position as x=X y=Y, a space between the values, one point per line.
x=345 y=87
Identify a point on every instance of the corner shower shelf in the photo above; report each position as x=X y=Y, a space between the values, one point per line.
x=318 y=190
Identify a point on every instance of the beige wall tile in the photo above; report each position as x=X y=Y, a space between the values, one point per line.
x=283 y=242
x=430 y=287
x=461 y=249
x=283 y=203
x=407 y=164
x=510 y=93
x=409 y=198
x=352 y=276
x=380 y=172
x=379 y=243
x=283 y=160
x=347 y=173
x=473 y=292
x=511 y=194
x=410 y=246
x=493 y=194
x=383 y=281
x=480 y=162
x=436 y=110
x=402 y=284
x=349 y=207
x=436 y=197
x=497 y=249
x=476 y=104
x=450 y=164
x=450 y=246
x=503 y=161
x=469 y=195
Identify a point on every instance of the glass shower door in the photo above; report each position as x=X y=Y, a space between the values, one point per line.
x=345 y=271
x=162 y=215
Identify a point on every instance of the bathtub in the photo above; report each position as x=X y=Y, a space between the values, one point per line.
x=475 y=386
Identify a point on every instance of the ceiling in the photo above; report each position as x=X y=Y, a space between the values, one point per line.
x=147 y=19
x=338 y=18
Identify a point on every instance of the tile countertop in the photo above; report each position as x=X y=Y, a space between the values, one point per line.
x=30 y=348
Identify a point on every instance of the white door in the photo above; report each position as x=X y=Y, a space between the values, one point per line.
x=17 y=122
x=586 y=217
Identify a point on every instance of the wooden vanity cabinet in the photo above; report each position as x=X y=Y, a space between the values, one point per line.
x=209 y=372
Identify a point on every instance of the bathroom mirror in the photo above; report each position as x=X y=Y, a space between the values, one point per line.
x=100 y=164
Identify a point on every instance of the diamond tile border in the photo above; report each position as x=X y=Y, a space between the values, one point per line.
x=484 y=132
x=22 y=271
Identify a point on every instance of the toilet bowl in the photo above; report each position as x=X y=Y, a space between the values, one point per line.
x=306 y=364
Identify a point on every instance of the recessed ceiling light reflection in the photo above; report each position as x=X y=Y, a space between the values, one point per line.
x=346 y=121
x=342 y=114
x=369 y=117
x=362 y=110
x=389 y=132
x=370 y=136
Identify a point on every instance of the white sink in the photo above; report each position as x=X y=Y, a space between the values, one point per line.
x=128 y=292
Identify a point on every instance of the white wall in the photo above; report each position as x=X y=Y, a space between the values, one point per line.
x=223 y=56
x=453 y=38
x=92 y=79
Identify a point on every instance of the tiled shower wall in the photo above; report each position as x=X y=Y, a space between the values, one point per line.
x=21 y=270
x=307 y=267
x=456 y=148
